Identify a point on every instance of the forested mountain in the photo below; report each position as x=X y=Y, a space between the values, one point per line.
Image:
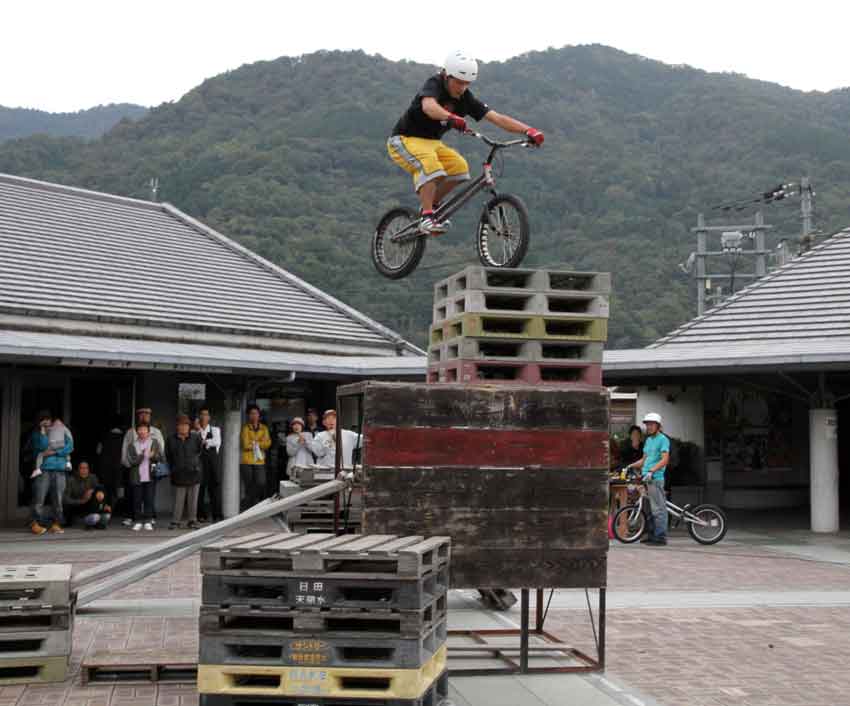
x=23 y=122
x=288 y=158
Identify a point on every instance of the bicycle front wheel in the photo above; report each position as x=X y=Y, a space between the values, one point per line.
x=714 y=527
x=396 y=259
x=628 y=524
x=503 y=232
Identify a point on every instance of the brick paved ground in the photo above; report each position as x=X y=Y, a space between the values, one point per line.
x=763 y=655
x=740 y=657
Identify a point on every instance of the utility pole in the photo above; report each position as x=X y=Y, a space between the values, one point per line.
x=732 y=239
x=154 y=186
x=806 y=238
x=702 y=283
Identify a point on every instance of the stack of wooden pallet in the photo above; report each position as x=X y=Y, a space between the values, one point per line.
x=36 y=623
x=319 y=619
x=517 y=475
x=326 y=515
x=521 y=326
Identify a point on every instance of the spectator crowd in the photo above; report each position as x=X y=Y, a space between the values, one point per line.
x=132 y=462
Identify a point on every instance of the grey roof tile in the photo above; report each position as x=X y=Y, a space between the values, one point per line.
x=807 y=299
x=71 y=253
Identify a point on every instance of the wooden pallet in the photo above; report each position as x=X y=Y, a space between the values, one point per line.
x=238 y=620
x=364 y=651
x=142 y=666
x=436 y=695
x=35 y=585
x=329 y=682
x=36 y=617
x=32 y=670
x=35 y=644
x=360 y=555
x=232 y=588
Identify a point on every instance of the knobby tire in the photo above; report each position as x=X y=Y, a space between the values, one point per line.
x=486 y=248
x=380 y=240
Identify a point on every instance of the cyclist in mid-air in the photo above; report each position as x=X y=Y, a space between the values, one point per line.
x=443 y=103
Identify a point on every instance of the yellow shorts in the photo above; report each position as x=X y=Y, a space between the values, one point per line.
x=427 y=159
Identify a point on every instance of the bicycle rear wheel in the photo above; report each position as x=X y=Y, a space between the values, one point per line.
x=715 y=524
x=503 y=232
x=628 y=524
x=393 y=259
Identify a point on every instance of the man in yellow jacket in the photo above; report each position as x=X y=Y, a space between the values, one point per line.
x=255 y=442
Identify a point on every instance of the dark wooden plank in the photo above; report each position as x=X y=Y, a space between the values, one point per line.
x=393 y=446
x=486 y=407
x=550 y=568
x=516 y=529
x=421 y=488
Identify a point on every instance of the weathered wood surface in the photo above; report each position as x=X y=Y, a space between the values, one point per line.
x=516 y=529
x=484 y=406
x=516 y=476
x=532 y=568
x=464 y=447
x=530 y=488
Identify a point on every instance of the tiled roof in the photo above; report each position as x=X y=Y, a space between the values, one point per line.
x=808 y=298
x=67 y=253
x=794 y=318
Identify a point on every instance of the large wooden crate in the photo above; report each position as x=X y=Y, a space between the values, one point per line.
x=517 y=476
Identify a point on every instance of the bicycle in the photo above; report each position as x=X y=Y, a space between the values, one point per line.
x=706 y=523
x=398 y=244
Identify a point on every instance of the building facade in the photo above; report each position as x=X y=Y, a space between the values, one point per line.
x=761 y=385
x=108 y=304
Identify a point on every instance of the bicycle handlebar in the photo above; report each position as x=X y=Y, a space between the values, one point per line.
x=525 y=142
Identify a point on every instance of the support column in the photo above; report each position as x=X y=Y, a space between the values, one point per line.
x=230 y=484
x=823 y=474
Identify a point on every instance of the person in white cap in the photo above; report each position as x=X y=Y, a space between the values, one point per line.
x=324 y=443
x=656 y=456
x=441 y=104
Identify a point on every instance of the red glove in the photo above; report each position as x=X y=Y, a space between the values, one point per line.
x=456 y=122
x=534 y=136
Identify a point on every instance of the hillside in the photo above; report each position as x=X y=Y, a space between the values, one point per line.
x=288 y=157
x=94 y=122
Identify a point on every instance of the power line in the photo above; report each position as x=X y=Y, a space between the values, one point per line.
x=777 y=193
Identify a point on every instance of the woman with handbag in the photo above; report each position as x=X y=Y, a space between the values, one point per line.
x=183 y=450
x=143 y=455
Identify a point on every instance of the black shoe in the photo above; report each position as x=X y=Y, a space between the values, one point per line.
x=646 y=540
x=193 y=526
x=100 y=525
x=89 y=528
x=658 y=541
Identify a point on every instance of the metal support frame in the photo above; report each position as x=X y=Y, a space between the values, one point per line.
x=552 y=646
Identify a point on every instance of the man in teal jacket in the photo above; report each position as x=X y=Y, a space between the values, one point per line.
x=51 y=475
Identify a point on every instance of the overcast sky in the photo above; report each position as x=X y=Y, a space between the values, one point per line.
x=63 y=56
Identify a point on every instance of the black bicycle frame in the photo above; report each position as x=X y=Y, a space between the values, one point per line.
x=485 y=181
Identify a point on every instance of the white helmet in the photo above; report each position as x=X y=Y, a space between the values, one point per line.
x=461 y=66
x=652 y=417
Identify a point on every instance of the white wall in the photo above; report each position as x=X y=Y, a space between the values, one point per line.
x=680 y=408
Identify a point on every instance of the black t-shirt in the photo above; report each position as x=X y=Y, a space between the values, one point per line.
x=629 y=454
x=414 y=122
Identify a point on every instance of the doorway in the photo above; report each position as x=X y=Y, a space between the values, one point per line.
x=48 y=396
x=97 y=405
